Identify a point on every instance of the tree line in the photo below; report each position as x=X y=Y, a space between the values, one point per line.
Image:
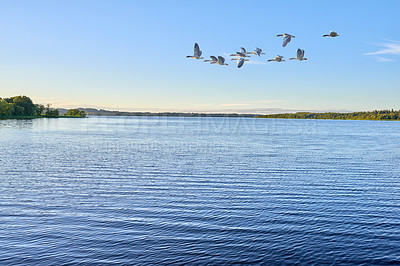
x=372 y=115
x=22 y=106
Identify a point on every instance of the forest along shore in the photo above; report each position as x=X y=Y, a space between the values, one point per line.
x=373 y=115
x=22 y=107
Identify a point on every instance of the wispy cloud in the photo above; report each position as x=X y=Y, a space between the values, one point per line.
x=388 y=48
x=383 y=59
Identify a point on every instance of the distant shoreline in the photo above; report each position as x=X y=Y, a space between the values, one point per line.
x=383 y=115
x=102 y=112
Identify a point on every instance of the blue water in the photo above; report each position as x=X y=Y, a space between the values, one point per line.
x=146 y=190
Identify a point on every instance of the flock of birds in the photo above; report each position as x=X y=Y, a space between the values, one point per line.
x=240 y=56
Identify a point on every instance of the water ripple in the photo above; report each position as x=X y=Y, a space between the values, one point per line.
x=199 y=191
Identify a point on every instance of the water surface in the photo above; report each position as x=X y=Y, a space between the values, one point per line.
x=145 y=190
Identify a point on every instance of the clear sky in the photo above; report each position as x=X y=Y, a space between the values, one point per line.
x=130 y=55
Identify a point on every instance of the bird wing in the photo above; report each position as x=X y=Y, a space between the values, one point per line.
x=242 y=50
x=302 y=53
x=197 y=51
x=286 y=40
x=214 y=58
x=240 y=63
x=299 y=53
x=221 y=60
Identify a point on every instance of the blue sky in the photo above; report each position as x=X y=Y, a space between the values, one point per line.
x=130 y=55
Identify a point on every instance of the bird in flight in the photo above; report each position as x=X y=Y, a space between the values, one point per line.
x=221 y=61
x=213 y=60
x=240 y=61
x=278 y=58
x=286 y=38
x=332 y=34
x=197 y=53
x=242 y=53
x=300 y=55
x=257 y=51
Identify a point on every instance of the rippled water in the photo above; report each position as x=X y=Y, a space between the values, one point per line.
x=145 y=190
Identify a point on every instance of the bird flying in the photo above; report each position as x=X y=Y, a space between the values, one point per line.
x=242 y=53
x=300 y=55
x=221 y=61
x=197 y=53
x=257 y=51
x=278 y=58
x=213 y=60
x=240 y=61
x=286 y=38
x=332 y=34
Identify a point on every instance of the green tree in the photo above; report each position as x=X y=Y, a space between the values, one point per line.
x=6 y=109
x=75 y=112
x=52 y=113
x=23 y=105
x=39 y=109
x=18 y=110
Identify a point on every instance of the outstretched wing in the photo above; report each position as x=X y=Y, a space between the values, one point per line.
x=197 y=51
x=302 y=53
x=299 y=53
x=221 y=60
x=242 y=50
x=286 y=40
x=213 y=59
x=240 y=63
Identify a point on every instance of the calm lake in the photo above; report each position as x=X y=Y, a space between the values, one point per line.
x=147 y=190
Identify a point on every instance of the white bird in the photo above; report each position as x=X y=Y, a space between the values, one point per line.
x=257 y=51
x=197 y=53
x=242 y=53
x=300 y=55
x=240 y=61
x=213 y=60
x=221 y=61
x=278 y=58
x=332 y=34
x=286 y=38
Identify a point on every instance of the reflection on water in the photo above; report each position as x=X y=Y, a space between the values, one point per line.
x=145 y=190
